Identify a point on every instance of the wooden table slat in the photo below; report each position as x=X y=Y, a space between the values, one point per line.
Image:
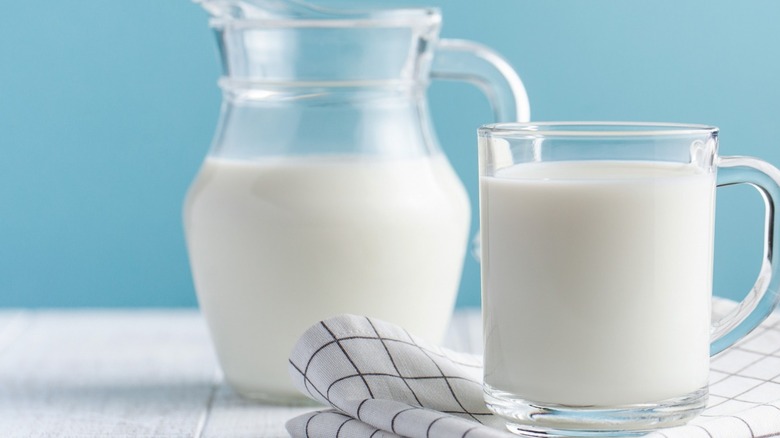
x=130 y=373
x=121 y=374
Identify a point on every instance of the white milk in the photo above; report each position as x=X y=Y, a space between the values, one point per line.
x=278 y=244
x=597 y=281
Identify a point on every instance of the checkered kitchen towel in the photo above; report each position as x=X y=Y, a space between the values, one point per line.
x=381 y=381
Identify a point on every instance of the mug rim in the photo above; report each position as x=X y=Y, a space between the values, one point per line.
x=594 y=129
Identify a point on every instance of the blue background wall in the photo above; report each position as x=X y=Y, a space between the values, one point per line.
x=107 y=108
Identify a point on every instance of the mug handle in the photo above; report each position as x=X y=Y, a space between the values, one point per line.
x=479 y=65
x=763 y=297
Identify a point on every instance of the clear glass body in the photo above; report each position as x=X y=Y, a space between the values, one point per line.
x=597 y=273
x=325 y=190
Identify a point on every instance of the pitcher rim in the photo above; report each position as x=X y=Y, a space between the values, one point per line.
x=379 y=18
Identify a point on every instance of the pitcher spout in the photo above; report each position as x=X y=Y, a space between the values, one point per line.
x=297 y=9
x=262 y=9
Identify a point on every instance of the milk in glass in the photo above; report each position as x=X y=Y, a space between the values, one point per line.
x=597 y=280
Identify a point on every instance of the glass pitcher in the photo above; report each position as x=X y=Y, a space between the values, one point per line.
x=325 y=190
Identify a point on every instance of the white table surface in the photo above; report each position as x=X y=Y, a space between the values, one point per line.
x=133 y=373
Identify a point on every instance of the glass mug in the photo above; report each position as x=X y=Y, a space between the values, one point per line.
x=597 y=253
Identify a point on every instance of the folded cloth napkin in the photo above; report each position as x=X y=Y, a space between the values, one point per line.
x=381 y=381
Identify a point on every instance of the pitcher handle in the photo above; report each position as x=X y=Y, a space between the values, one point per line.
x=763 y=297
x=477 y=64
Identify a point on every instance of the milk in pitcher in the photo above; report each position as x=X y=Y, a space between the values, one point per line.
x=278 y=244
